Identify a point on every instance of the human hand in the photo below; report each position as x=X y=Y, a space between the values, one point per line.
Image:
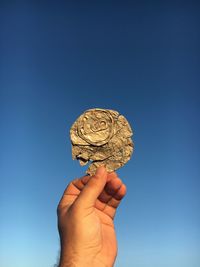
x=85 y=220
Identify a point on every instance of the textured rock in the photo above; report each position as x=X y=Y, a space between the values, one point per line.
x=101 y=137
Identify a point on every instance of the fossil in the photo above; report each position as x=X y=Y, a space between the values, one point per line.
x=101 y=137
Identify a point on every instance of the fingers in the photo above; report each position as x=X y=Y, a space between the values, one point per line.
x=111 y=175
x=104 y=191
x=110 y=189
x=72 y=191
x=92 y=189
x=113 y=203
x=110 y=198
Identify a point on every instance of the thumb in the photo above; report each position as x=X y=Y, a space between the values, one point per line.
x=92 y=189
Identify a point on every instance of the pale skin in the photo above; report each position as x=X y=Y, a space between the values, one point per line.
x=85 y=220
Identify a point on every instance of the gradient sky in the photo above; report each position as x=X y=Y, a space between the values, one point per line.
x=141 y=58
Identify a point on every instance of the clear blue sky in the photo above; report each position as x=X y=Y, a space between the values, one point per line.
x=59 y=58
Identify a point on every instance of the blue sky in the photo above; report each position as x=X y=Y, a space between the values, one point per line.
x=58 y=59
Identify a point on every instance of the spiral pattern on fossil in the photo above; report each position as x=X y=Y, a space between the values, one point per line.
x=96 y=127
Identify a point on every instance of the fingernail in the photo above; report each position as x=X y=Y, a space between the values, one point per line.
x=100 y=171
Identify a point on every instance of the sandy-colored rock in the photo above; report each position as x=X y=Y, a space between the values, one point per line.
x=101 y=137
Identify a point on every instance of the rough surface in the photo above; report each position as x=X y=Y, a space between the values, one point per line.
x=101 y=137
